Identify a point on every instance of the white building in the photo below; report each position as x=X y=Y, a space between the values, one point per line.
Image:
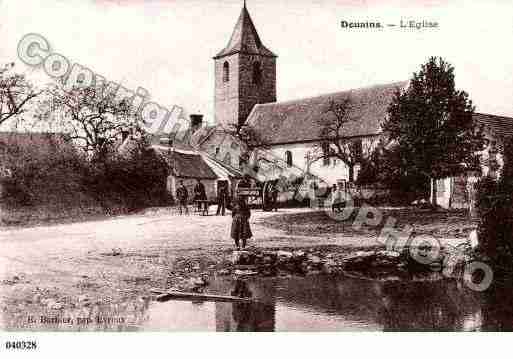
x=293 y=130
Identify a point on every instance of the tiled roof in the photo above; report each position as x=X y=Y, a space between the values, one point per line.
x=228 y=170
x=245 y=39
x=298 y=120
x=186 y=164
x=499 y=126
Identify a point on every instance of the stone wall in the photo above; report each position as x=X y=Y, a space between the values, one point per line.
x=251 y=93
x=226 y=94
x=235 y=98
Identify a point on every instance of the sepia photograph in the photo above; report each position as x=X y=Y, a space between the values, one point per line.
x=255 y=166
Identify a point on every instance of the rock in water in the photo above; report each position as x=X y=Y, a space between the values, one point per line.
x=241 y=257
x=389 y=254
x=285 y=254
x=314 y=259
x=299 y=254
x=224 y=272
x=240 y=272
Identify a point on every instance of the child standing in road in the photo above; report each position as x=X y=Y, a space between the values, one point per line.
x=241 y=230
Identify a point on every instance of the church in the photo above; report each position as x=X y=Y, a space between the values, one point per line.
x=245 y=94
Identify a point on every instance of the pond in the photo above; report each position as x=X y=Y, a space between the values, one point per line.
x=311 y=303
x=339 y=303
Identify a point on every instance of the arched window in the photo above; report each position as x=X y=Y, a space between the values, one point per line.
x=257 y=73
x=288 y=158
x=226 y=71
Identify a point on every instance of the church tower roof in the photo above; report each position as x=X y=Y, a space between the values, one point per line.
x=245 y=39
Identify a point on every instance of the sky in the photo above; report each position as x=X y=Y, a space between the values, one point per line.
x=166 y=46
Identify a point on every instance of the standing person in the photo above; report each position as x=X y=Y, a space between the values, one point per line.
x=200 y=193
x=222 y=198
x=240 y=222
x=245 y=182
x=274 y=197
x=336 y=198
x=182 y=196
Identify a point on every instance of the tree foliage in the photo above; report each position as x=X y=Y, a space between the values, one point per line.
x=430 y=124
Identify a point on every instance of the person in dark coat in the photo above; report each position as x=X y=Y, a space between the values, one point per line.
x=200 y=194
x=241 y=230
x=274 y=197
x=182 y=195
x=245 y=182
x=222 y=198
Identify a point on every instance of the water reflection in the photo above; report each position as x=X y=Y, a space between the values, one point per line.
x=325 y=303
x=497 y=307
x=435 y=306
x=244 y=316
x=312 y=303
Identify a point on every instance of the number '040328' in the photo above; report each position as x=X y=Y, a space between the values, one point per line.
x=20 y=345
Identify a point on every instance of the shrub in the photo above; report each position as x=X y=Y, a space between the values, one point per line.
x=44 y=170
x=385 y=168
x=58 y=180
x=494 y=203
x=135 y=182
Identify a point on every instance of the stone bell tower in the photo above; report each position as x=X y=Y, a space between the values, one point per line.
x=245 y=74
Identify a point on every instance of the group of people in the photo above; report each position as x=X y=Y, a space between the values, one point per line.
x=182 y=196
x=200 y=198
x=240 y=229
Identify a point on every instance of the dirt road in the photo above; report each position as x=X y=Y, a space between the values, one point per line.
x=119 y=259
x=100 y=264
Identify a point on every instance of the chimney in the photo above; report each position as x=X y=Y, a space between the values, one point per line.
x=196 y=122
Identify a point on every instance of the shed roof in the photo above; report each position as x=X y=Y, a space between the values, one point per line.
x=186 y=164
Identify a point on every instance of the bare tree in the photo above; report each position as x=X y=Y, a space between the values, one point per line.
x=90 y=116
x=15 y=93
x=335 y=143
x=249 y=137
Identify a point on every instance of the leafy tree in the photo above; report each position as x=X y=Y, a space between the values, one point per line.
x=432 y=127
x=383 y=166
